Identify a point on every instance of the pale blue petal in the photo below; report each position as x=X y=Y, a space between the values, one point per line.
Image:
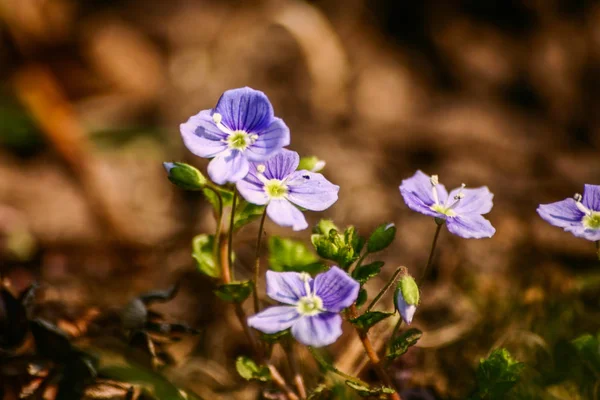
x=562 y=213
x=286 y=287
x=418 y=195
x=475 y=201
x=274 y=319
x=202 y=137
x=583 y=232
x=591 y=197
x=284 y=213
x=472 y=226
x=270 y=141
x=281 y=165
x=337 y=289
x=252 y=192
x=319 y=330
x=311 y=190
x=245 y=109
x=406 y=310
x=229 y=166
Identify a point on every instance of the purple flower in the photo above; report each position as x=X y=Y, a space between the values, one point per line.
x=278 y=184
x=579 y=215
x=312 y=306
x=239 y=129
x=462 y=209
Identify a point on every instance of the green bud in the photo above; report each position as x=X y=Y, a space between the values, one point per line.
x=409 y=289
x=324 y=247
x=185 y=176
x=324 y=226
x=312 y=164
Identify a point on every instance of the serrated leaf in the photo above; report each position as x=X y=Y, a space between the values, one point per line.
x=235 y=292
x=245 y=213
x=202 y=252
x=249 y=370
x=365 y=272
x=497 y=375
x=362 y=298
x=292 y=255
x=369 y=319
x=366 y=391
x=400 y=345
x=381 y=237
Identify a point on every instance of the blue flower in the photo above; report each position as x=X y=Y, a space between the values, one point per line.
x=239 y=129
x=579 y=215
x=312 y=306
x=277 y=183
x=462 y=209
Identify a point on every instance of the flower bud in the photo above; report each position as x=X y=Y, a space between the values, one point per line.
x=185 y=176
x=407 y=298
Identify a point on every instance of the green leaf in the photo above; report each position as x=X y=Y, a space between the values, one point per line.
x=311 y=163
x=588 y=349
x=381 y=237
x=202 y=252
x=235 y=292
x=362 y=298
x=292 y=255
x=369 y=319
x=185 y=176
x=400 y=345
x=212 y=198
x=366 y=391
x=245 y=213
x=248 y=370
x=497 y=375
x=352 y=239
x=365 y=272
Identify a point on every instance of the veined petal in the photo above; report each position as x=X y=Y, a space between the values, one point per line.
x=274 y=319
x=284 y=213
x=475 y=201
x=281 y=165
x=270 y=140
x=561 y=213
x=201 y=136
x=583 y=232
x=416 y=204
x=318 y=330
x=420 y=185
x=286 y=287
x=252 y=192
x=229 y=166
x=245 y=109
x=591 y=197
x=311 y=190
x=470 y=226
x=337 y=289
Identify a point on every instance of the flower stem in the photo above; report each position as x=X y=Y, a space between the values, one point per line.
x=298 y=380
x=230 y=237
x=385 y=288
x=433 y=244
x=330 y=367
x=219 y=224
x=257 y=263
x=359 y=262
x=372 y=354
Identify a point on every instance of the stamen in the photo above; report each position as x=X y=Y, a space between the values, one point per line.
x=580 y=205
x=218 y=118
x=434 y=182
x=253 y=138
x=261 y=168
x=305 y=277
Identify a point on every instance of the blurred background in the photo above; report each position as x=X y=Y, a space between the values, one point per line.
x=496 y=93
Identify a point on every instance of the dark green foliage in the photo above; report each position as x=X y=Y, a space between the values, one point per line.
x=362 y=298
x=381 y=237
x=400 y=345
x=292 y=255
x=235 y=292
x=496 y=376
x=342 y=248
x=249 y=370
x=365 y=272
x=369 y=319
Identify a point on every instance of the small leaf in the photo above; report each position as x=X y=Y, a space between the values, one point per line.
x=321 y=392
x=369 y=319
x=400 y=345
x=362 y=298
x=366 y=391
x=365 y=272
x=381 y=237
x=235 y=292
x=248 y=370
x=202 y=252
x=497 y=375
x=185 y=176
x=292 y=255
x=212 y=198
x=311 y=164
x=245 y=213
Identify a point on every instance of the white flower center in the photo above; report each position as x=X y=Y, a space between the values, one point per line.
x=311 y=304
x=236 y=140
x=446 y=209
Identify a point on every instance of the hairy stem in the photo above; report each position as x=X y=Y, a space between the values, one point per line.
x=219 y=224
x=257 y=263
x=385 y=288
x=298 y=379
x=230 y=237
x=432 y=251
x=330 y=367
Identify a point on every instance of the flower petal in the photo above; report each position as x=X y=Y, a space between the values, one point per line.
x=274 y=319
x=311 y=190
x=337 y=289
x=284 y=213
x=591 y=197
x=319 y=330
x=201 y=136
x=470 y=226
x=406 y=310
x=281 y=165
x=418 y=195
x=270 y=140
x=229 y=166
x=561 y=213
x=583 y=232
x=475 y=201
x=252 y=192
x=245 y=109
x=286 y=287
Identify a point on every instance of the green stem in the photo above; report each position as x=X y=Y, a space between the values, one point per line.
x=330 y=367
x=385 y=288
x=230 y=236
x=257 y=262
x=219 y=223
x=433 y=244
x=359 y=262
